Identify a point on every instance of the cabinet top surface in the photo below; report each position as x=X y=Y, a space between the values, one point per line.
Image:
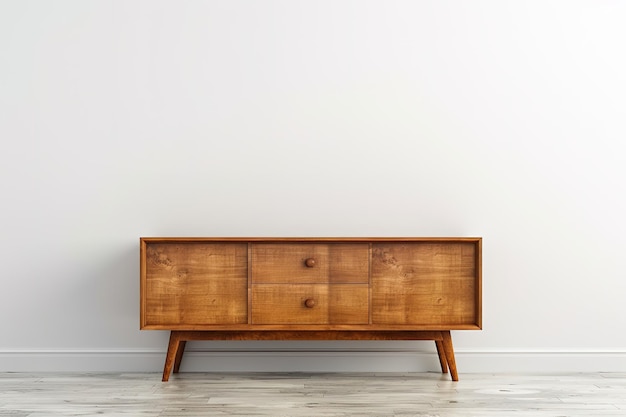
x=310 y=239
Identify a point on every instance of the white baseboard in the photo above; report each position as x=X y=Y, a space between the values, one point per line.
x=401 y=360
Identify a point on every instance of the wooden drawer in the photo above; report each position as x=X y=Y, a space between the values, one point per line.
x=310 y=304
x=311 y=263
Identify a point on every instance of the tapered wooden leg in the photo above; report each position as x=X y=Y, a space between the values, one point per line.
x=449 y=352
x=170 y=358
x=442 y=356
x=179 y=355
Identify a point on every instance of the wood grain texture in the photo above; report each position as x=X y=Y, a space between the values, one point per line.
x=308 y=335
x=192 y=284
x=424 y=284
x=284 y=304
x=287 y=263
x=287 y=304
x=348 y=304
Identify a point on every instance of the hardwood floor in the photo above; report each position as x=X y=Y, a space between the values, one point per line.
x=306 y=394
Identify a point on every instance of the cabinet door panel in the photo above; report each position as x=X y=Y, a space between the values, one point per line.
x=424 y=284
x=195 y=283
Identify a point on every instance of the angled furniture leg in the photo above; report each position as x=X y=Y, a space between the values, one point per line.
x=172 y=353
x=449 y=351
x=179 y=355
x=442 y=356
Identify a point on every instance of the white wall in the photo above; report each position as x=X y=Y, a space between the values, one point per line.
x=501 y=119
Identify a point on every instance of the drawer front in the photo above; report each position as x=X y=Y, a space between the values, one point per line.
x=425 y=284
x=189 y=284
x=310 y=304
x=313 y=263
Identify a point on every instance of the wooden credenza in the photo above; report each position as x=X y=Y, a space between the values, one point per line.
x=310 y=289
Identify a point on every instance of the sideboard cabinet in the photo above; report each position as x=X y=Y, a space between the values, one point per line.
x=310 y=289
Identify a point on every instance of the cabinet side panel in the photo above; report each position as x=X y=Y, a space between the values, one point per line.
x=142 y=284
x=195 y=283
x=428 y=283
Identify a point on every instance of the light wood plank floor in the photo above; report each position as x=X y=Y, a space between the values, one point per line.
x=305 y=394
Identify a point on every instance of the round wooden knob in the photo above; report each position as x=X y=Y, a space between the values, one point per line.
x=310 y=262
x=309 y=303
